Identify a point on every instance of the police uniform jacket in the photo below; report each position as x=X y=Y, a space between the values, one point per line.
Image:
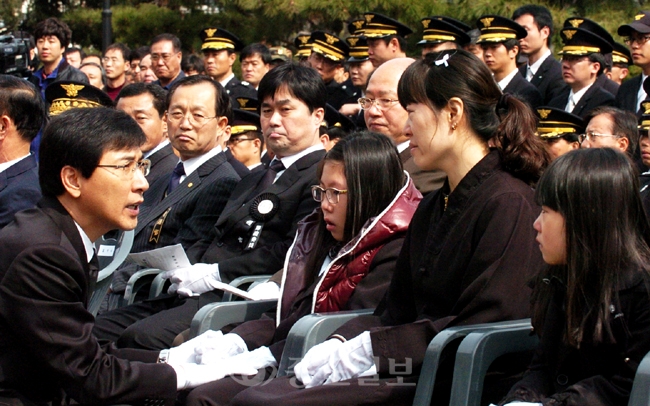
x=163 y=162
x=594 y=97
x=19 y=188
x=236 y=88
x=524 y=91
x=627 y=94
x=548 y=78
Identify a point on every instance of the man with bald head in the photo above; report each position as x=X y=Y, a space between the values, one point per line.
x=383 y=114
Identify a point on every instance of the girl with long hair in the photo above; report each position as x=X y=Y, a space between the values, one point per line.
x=342 y=258
x=591 y=306
x=469 y=251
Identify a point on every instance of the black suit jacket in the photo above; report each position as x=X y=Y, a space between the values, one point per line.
x=239 y=167
x=524 y=91
x=548 y=78
x=627 y=94
x=19 y=189
x=424 y=181
x=163 y=162
x=184 y=216
x=232 y=232
x=607 y=84
x=594 y=97
x=46 y=340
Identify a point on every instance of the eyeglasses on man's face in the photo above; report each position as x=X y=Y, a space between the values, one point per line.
x=237 y=140
x=638 y=39
x=382 y=104
x=165 y=57
x=196 y=119
x=332 y=194
x=592 y=136
x=128 y=170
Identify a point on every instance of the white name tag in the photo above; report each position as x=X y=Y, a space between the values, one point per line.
x=106 y=250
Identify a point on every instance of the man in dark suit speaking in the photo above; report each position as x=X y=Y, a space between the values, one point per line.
x=257 y=225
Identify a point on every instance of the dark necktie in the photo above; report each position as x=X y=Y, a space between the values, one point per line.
x=175 y=179
x=272 y=171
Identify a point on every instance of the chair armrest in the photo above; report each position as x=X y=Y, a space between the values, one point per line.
x=122 y=249
x=157 y=285
x=215 y=316
x=477 y=352
x=242 y=280
x=640 y=395
x=137 y=281
x=309 y=331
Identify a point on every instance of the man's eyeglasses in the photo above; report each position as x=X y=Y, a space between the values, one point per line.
x=591 y=136
x=382 y=104
x=332 y=194
x=196 y=119
x=164 y=57
x=235 y=141
x=128 y=170
x=640 y=40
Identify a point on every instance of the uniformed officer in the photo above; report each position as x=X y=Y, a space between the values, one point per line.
x=386 y=38
x=621 y=61
x=303 y=46
x=327 y=56
x=219 y=54
x=559 y=130
x=440 y=33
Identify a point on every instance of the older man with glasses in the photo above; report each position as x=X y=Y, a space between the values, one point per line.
x=609 y=127
x=166 y=58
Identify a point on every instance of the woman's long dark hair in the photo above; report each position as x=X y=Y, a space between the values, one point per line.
x=506 y=121
x=596 y=190
x=374 y=175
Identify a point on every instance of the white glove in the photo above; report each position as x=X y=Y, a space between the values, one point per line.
x=184 y=353
x=517 y=403
x=265 y=291
x=192 y=375
x=350 y=360
x=257 y=359
x=193 y=280
x=213 y=351
x=316 y=358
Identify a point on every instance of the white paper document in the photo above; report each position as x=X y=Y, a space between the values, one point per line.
x=166 y=258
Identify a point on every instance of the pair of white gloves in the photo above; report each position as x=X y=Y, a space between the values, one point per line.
x=335 y=361
x=516 y=403
x=201 y=278
x=214 y=355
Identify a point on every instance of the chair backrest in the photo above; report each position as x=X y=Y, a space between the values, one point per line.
x=111 y=250
x=640 y=395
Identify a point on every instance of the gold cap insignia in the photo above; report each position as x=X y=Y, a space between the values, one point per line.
x=358 y=24
x=646 y=107
x=575 y=23
x=487 y=21
x=210 y=32
x=330 y=39
x=425 y=23
x=304 y=39
x=72 y=90
x=638 y=17
x=369 y=17
x=353 y=41
x=543 y=113
x=242 y=102
x=569 y=34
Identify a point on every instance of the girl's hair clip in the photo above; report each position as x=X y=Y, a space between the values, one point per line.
x=444 y=59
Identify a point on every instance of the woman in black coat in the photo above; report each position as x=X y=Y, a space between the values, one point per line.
x=591 y=307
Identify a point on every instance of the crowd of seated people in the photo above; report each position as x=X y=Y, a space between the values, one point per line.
x=483 y=190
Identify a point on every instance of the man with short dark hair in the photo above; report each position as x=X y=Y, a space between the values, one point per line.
x=52 y=37
x=22 y=114
x=258 y=225
x=386 y=38
x=542 y=69
x=74 y=56
x=610 y=127
x=255 y=61
x=166 y=59
x=146 y=103
x=95 y=73
x=116 y=65
x=637 y=36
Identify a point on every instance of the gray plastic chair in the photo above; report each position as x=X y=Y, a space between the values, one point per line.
x=139 y=280
x=640 y=395
x=479 y=349
x=215 y=316
x=309 y=331
x=108 y=264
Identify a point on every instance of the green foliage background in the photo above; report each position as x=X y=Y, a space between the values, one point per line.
x=277 y=22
